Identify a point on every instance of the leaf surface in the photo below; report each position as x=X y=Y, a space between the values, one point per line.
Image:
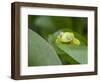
x=40 y=53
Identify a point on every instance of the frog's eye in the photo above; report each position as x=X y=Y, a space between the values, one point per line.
x=59 y=36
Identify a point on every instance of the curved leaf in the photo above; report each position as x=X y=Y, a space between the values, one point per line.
x=78 y=53
x=40 y=53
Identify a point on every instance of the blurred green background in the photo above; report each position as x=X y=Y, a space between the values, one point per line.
x=47 y=28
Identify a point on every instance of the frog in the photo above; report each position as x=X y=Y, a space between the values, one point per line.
x=68 y=38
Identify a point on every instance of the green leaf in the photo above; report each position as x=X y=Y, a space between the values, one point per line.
x=69 y=53
x=40 y=53
x=78 y=53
